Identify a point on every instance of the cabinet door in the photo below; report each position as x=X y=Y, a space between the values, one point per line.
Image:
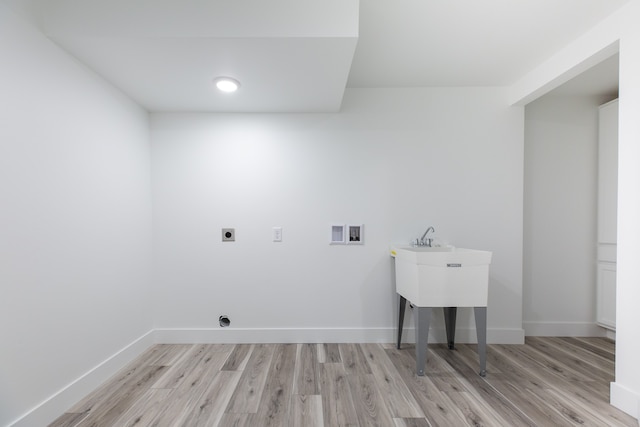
x=606 y=300
x=608 y=173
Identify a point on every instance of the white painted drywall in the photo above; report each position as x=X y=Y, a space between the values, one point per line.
x=74 y=220
x=560 y=215
x=395 y=160
x=620 y=29
x=625 y=391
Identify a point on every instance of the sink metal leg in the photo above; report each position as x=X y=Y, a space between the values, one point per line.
x=450 y=324
x=422 y=317
x=401 y=309
x=481 y=332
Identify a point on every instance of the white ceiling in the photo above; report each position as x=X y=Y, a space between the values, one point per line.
x=299 y=55
x=465 y=42
x=601 y=79
x=289 y=55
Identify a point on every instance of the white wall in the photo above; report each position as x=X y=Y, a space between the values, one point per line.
x=620 y=29
x=560 y=215
x=74 y=222
x=395 y=160
x=625 y=392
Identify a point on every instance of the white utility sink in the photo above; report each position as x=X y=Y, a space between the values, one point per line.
x=445 y=277
x=442 y=276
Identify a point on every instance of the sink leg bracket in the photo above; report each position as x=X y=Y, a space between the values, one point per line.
x=450 y=324
x=481 y=332
x=402 y=301
x=422 y=316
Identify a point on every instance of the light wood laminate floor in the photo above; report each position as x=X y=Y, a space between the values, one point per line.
x=546 y=382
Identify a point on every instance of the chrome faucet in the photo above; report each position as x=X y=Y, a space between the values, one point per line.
x=424 y=240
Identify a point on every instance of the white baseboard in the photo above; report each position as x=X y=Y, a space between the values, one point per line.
x=625 y=399
x=326 y=335
x=271 y=335
x=54 y=406
x=563 y=329
x=610 y=334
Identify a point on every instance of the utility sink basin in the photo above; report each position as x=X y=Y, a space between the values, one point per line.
x=442 y=276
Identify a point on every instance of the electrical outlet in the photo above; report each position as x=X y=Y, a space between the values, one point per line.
x=228 y=234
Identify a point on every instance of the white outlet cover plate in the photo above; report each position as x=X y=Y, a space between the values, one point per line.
x=277 y=234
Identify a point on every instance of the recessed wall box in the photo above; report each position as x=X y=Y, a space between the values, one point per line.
x=355 y=234
x=228 y=234
x=337 y=234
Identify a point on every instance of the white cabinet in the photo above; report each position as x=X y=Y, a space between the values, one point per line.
x=607 y=214
x=606 y=307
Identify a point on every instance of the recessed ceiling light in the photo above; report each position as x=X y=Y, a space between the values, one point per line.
x=227 y=84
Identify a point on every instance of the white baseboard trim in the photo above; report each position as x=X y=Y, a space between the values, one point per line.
x=563 y=329
x=610 y=334
x=625 y=399
x=271 y=335
x=54 y=406
x=325 y=335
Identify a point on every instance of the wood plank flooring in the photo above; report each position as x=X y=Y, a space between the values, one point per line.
x=545 y=382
